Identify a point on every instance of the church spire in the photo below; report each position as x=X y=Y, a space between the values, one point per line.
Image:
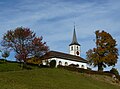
x=74 y=40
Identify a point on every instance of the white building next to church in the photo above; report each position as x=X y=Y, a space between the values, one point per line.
x=64 y=59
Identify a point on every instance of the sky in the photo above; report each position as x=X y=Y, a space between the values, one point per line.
x=55 y=19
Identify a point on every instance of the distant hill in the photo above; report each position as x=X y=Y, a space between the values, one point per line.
x=47 y=78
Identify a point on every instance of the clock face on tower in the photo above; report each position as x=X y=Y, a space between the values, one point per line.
x=77 y=53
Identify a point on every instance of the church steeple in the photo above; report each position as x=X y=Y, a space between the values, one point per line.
x=74 y=40
x=74 y=46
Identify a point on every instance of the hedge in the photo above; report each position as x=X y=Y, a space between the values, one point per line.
x=80 y=70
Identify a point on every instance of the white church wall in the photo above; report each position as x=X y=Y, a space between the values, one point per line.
x=63 y=61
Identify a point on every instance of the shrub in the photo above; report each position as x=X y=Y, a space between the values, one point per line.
x=114 y=71
x=43 y=66
x=52 y=63
x=34 y=60
x=73 y=65
x=80 y=70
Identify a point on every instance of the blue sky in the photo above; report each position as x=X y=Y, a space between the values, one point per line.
x=54 y=20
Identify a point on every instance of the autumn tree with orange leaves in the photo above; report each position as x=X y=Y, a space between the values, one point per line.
x=105 y=54
x=24 y=43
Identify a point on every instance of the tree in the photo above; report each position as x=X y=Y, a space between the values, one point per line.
x=105 y=54
x=24 y=42
x=5 y=54
x=38 y=48
x=0 y=51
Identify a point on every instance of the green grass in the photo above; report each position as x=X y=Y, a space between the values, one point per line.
x=12 y=66
x=9 y=67
x=46 y=78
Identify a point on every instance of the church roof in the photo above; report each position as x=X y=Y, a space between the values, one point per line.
x=74 y=40
x=55 y=54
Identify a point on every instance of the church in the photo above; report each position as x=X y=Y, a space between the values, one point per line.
x=64 y=59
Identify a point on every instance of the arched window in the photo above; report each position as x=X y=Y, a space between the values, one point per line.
x=77 y=65
x=82 y=66
x=66 y=64
x=60 y=63
x=77 y=47
x=71 y=48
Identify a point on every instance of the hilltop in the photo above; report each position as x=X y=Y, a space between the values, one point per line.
x=48 y=78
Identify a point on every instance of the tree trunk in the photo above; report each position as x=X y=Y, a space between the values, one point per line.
x=21 y=65
x=100 y=68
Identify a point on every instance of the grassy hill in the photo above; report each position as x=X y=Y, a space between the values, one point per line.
x=4 y=67
x=46 y=78
x=11 y=66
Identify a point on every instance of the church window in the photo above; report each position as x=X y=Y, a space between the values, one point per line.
x=71 y=48
x=77 y=65
x=77 y=53
x=66 y=64
x=60 y=63
x=77 y=47
x=82 y=66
